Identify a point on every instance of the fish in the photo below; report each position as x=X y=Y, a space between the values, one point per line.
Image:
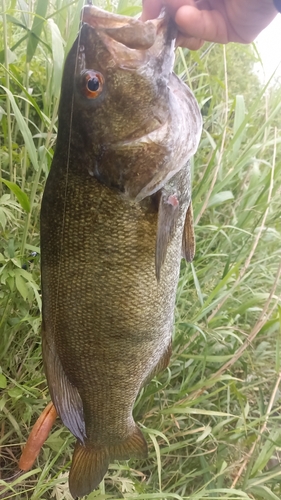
x=116 y=219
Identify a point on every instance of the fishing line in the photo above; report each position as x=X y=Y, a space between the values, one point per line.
x=67 y=176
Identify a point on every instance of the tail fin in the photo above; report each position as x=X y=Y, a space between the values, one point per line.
x=89 y=464
x=135 y=446
x=88 y=467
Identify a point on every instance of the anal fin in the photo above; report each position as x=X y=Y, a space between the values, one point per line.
x=188 y=238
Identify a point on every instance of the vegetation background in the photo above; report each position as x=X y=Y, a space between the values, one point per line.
x=212 y=419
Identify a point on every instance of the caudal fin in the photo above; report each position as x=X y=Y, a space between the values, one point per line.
x=135 y=446
x=88 y=467
x=89 y=463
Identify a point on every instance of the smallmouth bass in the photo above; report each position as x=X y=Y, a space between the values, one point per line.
x=116 y=219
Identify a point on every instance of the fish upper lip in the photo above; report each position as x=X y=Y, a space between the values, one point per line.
x=99 y=18
x=132 y=33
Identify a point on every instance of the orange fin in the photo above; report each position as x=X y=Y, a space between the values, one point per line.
x=188 y=238
x=90 y=464
x=37 y=437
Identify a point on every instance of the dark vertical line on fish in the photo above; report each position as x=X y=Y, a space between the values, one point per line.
x=66 y=178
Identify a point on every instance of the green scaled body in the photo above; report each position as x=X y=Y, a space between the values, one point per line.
x=115 y=221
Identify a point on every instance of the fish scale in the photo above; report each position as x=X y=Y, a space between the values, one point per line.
x=115 y=220
x=120 y=296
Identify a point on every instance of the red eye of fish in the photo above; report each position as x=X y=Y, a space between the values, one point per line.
x=93 y=85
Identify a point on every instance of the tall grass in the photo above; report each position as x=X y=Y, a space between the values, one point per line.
x=212 y=418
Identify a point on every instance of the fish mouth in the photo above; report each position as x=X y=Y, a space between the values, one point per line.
x=124 y=35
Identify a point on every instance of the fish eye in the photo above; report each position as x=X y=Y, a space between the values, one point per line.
x=93 y=82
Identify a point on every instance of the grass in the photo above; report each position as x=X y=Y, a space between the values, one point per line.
x=212 y=419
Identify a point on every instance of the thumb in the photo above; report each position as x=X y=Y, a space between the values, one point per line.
x=208 y=25
x=151 y=9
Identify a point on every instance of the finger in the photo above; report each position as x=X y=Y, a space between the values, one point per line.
x=151 y=9
x=173 y=5
x=202 y=24
x=190 y=43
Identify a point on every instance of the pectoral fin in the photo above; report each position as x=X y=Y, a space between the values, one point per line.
x=167 y=217
x=65 y=396
x=188 y=239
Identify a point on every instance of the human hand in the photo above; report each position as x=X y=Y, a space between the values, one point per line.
x=220 y=21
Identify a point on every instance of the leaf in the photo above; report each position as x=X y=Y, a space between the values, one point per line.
x=238 y=129
x=197 y=285
x=32 y=248
x=23 y=7
x=74 y=26
x=130 y=11
x=21 y=284
x=205 y=433
x=15 y=393
x=195 y=411
x=219 y=198
x=264 y=493
x=3 y=381
x=36 y=29
x=158 y=457
x=20 y=195
x=16 y=22
x=3 y=219
x=24 y=129
x=36 y=294
x=122 y=5
x=58 y=56
x=55 y=442
x=267 y=450
x=11 y=56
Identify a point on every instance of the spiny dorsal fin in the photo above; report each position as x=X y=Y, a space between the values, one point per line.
x=188 y=239
x=167 y=216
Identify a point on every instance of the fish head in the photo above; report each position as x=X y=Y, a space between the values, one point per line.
x=133 y=61
x=119 y=99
